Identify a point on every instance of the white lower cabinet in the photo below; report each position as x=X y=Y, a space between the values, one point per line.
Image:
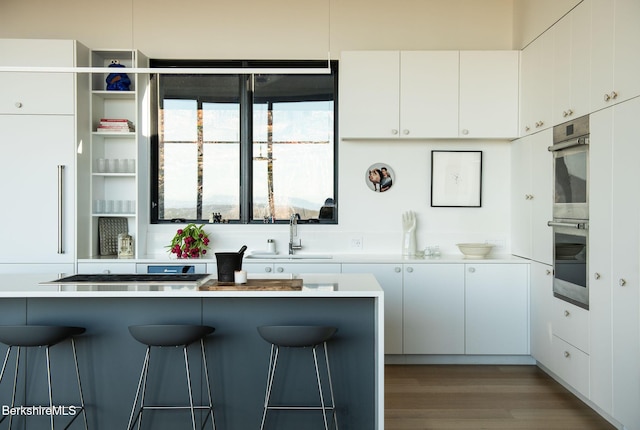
x=541 y=298
x=434 y=312
x=389 y=276
x=571 y=365
x=275 y=268
x=570 y=345
x=496 y=309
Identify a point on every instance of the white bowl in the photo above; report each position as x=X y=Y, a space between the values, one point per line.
x=475 y=250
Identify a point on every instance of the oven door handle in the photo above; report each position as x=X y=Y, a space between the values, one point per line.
x=569 y=144
x=577 y=225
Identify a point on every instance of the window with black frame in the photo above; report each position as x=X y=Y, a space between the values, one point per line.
x=244 y=148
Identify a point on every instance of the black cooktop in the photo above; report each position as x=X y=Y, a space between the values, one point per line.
x=133 y=278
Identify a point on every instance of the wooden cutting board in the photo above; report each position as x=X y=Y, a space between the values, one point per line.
x=254 y=285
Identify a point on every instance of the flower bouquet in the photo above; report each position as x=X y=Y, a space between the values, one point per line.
x=189 y=242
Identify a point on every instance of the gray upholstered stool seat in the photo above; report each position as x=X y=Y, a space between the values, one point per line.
x=171 y=335
x=299 y=336
x=30 y=336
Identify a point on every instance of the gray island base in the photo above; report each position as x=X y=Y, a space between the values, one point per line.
x=110 y=359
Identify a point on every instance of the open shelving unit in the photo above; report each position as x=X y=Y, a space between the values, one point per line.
x=118 y=159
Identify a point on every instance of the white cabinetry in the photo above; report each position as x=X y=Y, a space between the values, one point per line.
x=276 y=268
x=117 y=157
x=541 y=299
x=40 y=132
x=614 y=262
x=570 y=345
x=389 y=276
x=600 y=254
x=496 y=309
x=434 y=312
x=536 y=67
x=615 y=51
x=532 y=197
x=488 y=94
x=625 y=267
x=428 y=94
x=571 y=63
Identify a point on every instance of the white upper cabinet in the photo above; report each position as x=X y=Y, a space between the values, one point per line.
x=532 y=197
x=369 y=94
x=571 y=64
x=428 y=94
x=615 y=51
x=22 y=93
x=536 y=67
x=488 y=94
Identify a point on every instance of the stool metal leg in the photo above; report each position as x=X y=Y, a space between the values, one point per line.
x=15 y=384
x=186 y=365
x=324 y=409
x=333 y=402
x=206 y=377
x=75 y=361
x=46 y=350
x=4 y=366
x=142 y=382
x=273 y=360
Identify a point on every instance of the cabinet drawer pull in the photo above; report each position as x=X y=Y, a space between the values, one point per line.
x=472 y=269
x=405 y=132
x=548 y=272
x=567 y=313
x=280 y=269
x=567 y=354
x=409 y=269
x=397 y=269
x=394 y=131
x=267 y=269
x=596 y=275
x=18 y=105
x=622 y=282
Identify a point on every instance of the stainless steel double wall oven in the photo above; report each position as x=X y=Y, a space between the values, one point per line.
x=571 y=211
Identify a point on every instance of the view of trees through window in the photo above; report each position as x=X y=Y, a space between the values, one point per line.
x=249 y=148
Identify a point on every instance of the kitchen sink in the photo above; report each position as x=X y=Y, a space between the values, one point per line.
x=290 y=257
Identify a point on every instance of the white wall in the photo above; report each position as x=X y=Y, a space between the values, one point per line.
x=308 y=29
x=263 y=29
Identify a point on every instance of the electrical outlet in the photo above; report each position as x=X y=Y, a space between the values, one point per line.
x=356 y=243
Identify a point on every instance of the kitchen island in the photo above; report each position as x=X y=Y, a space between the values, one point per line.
x=110 y=359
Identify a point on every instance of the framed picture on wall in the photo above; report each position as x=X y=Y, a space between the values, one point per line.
x=456 y=179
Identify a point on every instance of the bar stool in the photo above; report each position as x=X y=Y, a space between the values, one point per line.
x=299 y=336
x=175 y=336
x=29 y=336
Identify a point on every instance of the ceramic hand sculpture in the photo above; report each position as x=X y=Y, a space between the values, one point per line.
x=409 y=234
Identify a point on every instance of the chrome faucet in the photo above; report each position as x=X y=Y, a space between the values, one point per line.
x=293 y=234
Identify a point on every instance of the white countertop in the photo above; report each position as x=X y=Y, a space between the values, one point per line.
x=314 y=285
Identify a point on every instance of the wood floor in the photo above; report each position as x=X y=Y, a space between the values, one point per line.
x=457 y=397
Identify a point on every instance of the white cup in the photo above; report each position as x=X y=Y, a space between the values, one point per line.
x=117 y=206
x=108 y=206
x=131 y=165
x=240 y=276
x=114 y=166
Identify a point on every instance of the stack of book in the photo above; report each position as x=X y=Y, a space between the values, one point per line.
x=115 y=125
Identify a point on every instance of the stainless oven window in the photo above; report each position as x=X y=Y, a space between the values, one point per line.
x=570 y=281
x=571 y=176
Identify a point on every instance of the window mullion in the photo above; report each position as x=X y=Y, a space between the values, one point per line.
x=246 y=148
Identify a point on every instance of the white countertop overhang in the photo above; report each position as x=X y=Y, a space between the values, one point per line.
x=314 y=285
